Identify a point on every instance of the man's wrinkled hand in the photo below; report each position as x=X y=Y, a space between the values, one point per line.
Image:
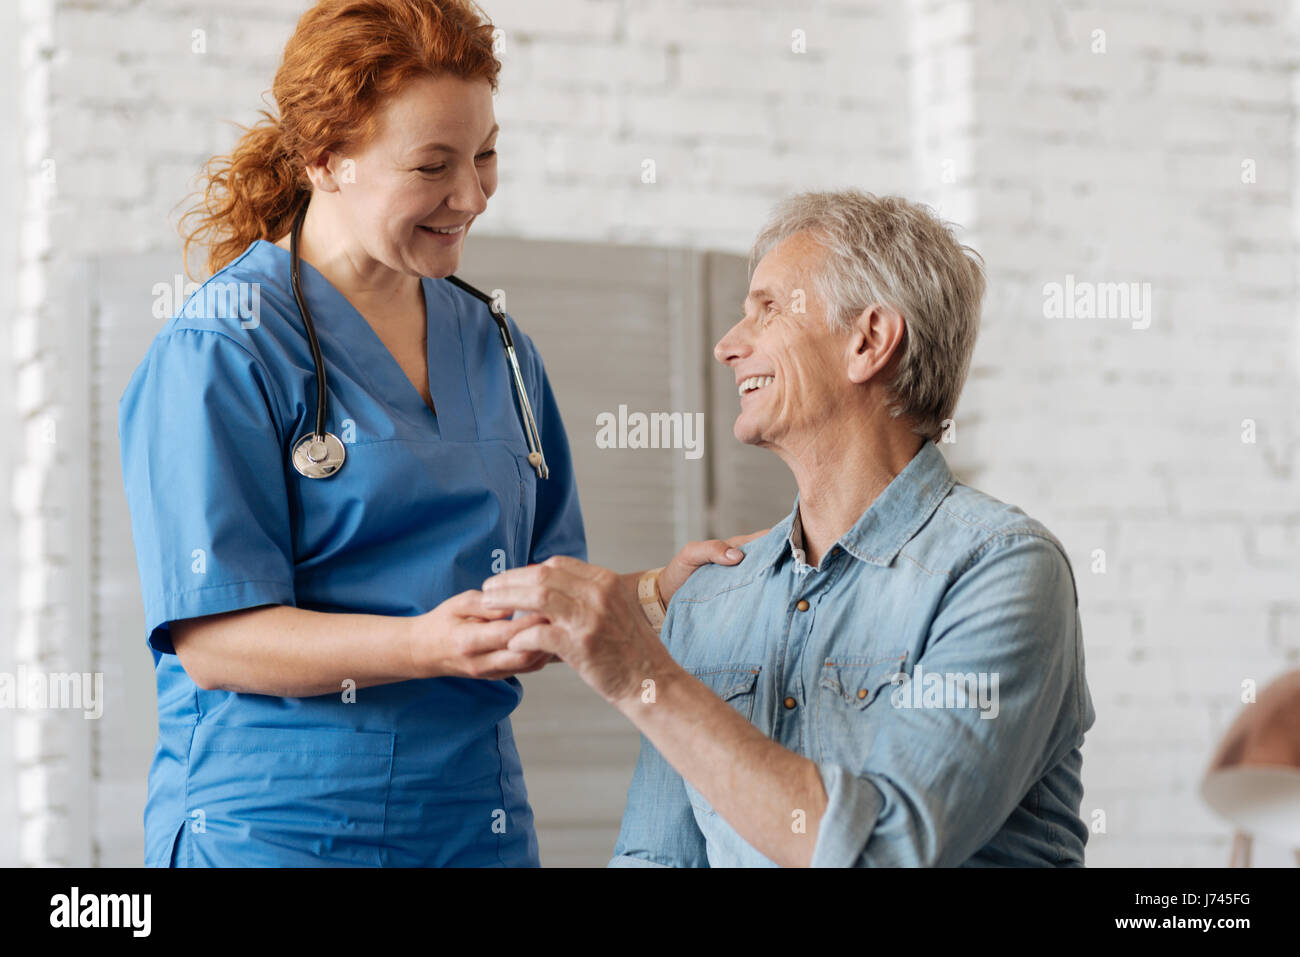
x=591 y=622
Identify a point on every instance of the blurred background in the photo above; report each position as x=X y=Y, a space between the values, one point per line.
x=1075 y=143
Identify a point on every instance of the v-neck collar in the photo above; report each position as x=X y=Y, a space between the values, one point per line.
x=355 y=342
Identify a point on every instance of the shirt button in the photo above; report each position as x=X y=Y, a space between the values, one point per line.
x=789 y=704
x=803 y=604
x=862 y=693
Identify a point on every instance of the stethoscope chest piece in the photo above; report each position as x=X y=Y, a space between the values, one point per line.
x=318 y=456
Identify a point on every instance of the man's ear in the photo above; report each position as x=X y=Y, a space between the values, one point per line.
x=875 y=339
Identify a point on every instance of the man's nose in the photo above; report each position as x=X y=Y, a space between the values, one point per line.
x=732 y=346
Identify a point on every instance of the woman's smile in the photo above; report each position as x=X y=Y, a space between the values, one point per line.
x=445 y=235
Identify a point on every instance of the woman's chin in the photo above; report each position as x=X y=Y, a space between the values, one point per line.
x=439 y=265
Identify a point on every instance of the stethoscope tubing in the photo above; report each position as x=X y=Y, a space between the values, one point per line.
x=320 y=454
x=313 y=341
x=535 y=456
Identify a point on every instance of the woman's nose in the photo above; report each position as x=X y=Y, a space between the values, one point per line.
x=468 y=194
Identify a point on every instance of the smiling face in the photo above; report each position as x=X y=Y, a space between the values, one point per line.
x=430 y=166
x=790 y=367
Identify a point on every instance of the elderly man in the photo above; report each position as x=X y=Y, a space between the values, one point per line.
x=894 y=674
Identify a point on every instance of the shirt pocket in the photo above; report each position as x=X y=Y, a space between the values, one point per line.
x=737 y=685
x=288 y=796
x=734 y=684
x=849 y=705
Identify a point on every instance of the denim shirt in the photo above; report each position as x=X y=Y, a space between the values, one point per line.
x=931 y=666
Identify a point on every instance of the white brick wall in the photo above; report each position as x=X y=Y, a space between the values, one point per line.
x=1115 y=166
x=1118 y=166
x=11 y=162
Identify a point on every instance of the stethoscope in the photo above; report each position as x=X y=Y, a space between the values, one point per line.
x=320 y=454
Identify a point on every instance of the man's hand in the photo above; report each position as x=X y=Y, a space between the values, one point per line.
x=595 y=625
x=694 y=554
x=591 y=623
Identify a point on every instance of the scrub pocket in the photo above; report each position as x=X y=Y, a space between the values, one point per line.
x=527 y=503
x=177 y=858
x=849 y=705
x=286 y=797
x=735 y=684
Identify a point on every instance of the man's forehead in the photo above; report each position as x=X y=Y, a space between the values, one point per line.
x=787 y=266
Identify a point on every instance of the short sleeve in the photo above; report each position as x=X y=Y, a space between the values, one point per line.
x=203 y=467
x=558 y=528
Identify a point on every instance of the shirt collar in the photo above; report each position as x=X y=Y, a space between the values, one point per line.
x=889 y=522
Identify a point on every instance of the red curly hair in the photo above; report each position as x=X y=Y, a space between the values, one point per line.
x=345 y=58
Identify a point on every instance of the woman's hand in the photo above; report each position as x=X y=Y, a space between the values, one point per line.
x=465 y=638
x=694 y=554
x=582 y=614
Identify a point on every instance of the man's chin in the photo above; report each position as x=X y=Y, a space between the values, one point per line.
x=745 y=434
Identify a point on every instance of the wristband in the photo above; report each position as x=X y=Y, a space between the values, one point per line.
x=647 y=592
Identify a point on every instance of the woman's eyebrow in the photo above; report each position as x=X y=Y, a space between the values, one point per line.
x=444 y=148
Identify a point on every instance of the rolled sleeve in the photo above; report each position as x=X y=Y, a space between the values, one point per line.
x=659 y=826
x=852 y=807
x=939 y=782
x=627 y=860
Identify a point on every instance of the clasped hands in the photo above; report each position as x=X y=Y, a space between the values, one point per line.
x=588 y=617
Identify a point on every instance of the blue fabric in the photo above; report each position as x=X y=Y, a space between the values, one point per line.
x=414 y=773
x=935 y=578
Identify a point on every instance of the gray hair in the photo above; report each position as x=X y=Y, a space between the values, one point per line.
x=887 y=250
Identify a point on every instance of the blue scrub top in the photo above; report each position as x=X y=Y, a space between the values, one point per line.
x=416 y=773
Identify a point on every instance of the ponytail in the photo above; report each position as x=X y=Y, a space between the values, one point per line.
x=344 y=60
x=253 y=193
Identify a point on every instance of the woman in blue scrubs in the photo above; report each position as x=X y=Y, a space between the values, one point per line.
x=331 y=688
